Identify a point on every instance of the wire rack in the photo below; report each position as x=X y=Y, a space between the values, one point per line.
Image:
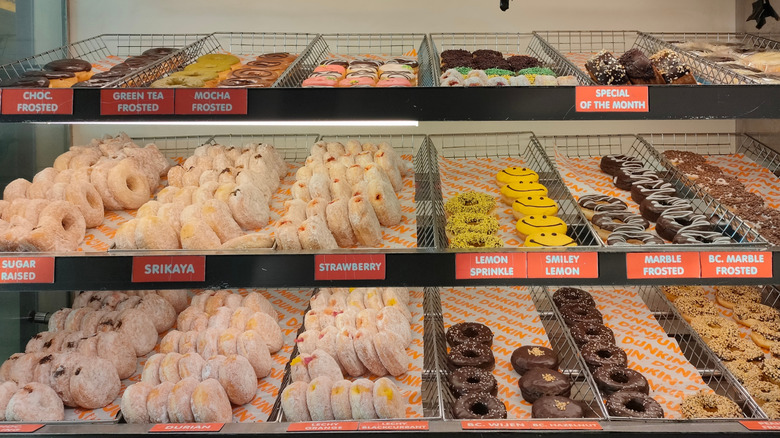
x=726 y=221
x=101 y=47
x=258 y=43
x=292 y=147
x=356 y=44
x=705 y=70
x=514 y=144
x=506 y=43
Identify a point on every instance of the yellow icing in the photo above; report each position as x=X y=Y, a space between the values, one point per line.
x=391 y=302
x=386 y=392
x=549 y=239
x=523 y=188
x=516 y=174
x=296 y=361
x=537 y=224
x=337 y=390
x=529 y=205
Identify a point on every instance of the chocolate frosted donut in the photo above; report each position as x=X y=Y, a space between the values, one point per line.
x=50 y=74
x=27 y=82
x=611 y=164
x=586 y=331
x=533 y=356
x=698 y=237
x=598 y=354
x=254 y=73
x=633 y=404
x=574 y=313
x=469 y=332
x=654 y=206
x=342 y=62
x=670 y=223
x=611 y=220
x=613 y=378
x=640 y=191
x=479 y=406
x=572 y=295
x=625 y=237
x=554 y=406
x=472 y=354
x=627 y=177
x=539 y=382
x=71 y=65
x=159 y=51
x=469 y=380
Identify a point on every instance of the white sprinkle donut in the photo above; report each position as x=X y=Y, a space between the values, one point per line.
x=210 y=403
x=133 y=404
x=150 y=208
x=180 y=401
x=171 y=213
x=197 y=234
x=294 y=402
x=84 y=196
x=128 y=185
x=184 y=319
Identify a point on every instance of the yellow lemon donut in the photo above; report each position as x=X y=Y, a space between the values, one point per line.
x=534 y=205
x=515 y=174
x=549 y=239
x=514 y=190
x=540 y=224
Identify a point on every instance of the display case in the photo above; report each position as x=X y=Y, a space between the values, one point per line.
x=233 y=337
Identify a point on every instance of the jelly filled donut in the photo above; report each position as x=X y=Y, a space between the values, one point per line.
x=479 y=406
x=210 y=403
x=294 y=402
x=469 y=332
x=133 y=404
x=633 y=404
x=533 y=356
x=467 y=380
x=598 y=354
x=472 y=354
x=389 y=402
x=539 y=382
x=613 y=378
x=35 y=402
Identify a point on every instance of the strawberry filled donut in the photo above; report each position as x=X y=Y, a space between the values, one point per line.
x=366 y=351
x=347 y=356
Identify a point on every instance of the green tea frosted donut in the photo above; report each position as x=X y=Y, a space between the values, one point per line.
x=472 y=223
x=476 y=240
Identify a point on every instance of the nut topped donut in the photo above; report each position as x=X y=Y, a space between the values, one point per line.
x=597 y=354
x=709 y=405
x=467 y=380
x=472 y=354
x=633 y=404
x=469 y=332
x=572 y=295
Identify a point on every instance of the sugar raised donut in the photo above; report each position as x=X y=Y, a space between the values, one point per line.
x=151 y=371
x=210 y=403
x=250 y=345
x=133 y=404
x=136 y=326
x=294 y=402
x=180 y=401
x=318 y=396
x=157 y=402
x=35 y=402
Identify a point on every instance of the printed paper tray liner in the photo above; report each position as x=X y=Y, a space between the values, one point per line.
x=756 y=178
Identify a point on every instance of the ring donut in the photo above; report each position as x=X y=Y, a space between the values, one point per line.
x=128 y=185
x=708 y=405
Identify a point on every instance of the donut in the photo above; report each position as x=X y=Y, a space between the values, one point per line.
x=613 y=378
x=220 y=319
x=179 y=406
x=211 y=367
x=476 y=240
x=157 y=402
x=322 y=364
x=24 y=367
x=691 y=307
x=467 y=380
x=151 y=371
x=530 y=225
x=361 y=399
x=553 y=406
x=8 y=365
x=95 y=383
x=515 y=174
x=268 y=329
x=538 y=382
x=391 y=352
x=690 y=237
x=57 y=320
x=339 y=400
x=137 y=328
x=574 y=313
x=625 y=179
x=763 y=392
x=633 y=404
x=73 y=321
x=641 y=190
x=765 y=334
x=625 y=237
x=191 y=365
x=479 y=406
x=592 y=204
x=258 y=303
x=61 y=227
x=607 y=222
x=729 y=296
x=208 y=342
x=654 y=206
x=251 y=346
x=531 y=356
x=346 y=354
x=210 y=403
x=470 y=202
x=112 y=347
x=238 y=378
x=35 y=402
x=669 y=224
x=63 y=367
x=391 y=319
x=133 y=404
x=298 y=368
x=170 y=342
x=674 y=292
x=470 y=223
x=314 y=234
x=611 y=164
x=294 y=402
x=37 y=342
x=735 y=348
x=598 y=354
x=127 y=184
x=748 y=314
x=16 y=189
x=709 y=405
x=372 y=299
x=169 y=368
x=318 y=398
x=572 y=295
x=745 y=371
x=472 y=354
x=363 y=342
x=86 y=198
x=713 y=327
x=389 y=401
x=152 y=232
x=346 y=319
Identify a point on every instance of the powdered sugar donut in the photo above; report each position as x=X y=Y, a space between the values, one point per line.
x=177 y=298
x=226 y=343
x=210 y=403
x=313 y=233
x=88 y=346
x=54 y=345
x=125 y=235
x=180 y=401
x=191 y=365
x=151 y=371
x=338 y=299
x=361 y=399
x=218 y=216
x=363 y=342
x=220 y=319
x=188 y=342
x=356 y=299
x=170 y=342
x=320 y=301
x=157 y=402
x=388 y=399
x=153 y=232
x=294 y=402
x=169 y=368
x=346 y=319
x=16 y=189
x=43 y=369
x=400 y=294
x=130 y=303
x=23 y=368
x=87 y=199
x=108 y=322
x=318 y=398
x=73 y=321
x=269 y=330
x=299 y=371
x=184 y=320
x=215 y=301
x=112 y=347
x=8 y=366
x=390 y=319
x=212 y=366
x=94 y=383
x=57 y=319
x=250 y=345
x=133 y=404
x=239 y=318
x=366 y=320
x=139 y=329
x=37 y=342
x=392 y=353
x=7 y=390
x=197 y=234
x=346 y=353
x=207 y=345
x=71 y=342
x=307 y=341
x=327 y=341
x=35 y=402
x=238 y=378
x=373 y=299
x=199 y=300
x=339 y=400
x=257 y=302
x=159 y=310
x=112 y=299
x=233 y=301
x=323 y=364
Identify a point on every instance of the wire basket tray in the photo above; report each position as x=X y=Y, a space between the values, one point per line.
x=356 y=44
x=592 y=146
x=115 y=46
x=502 y=145
x=506 y=43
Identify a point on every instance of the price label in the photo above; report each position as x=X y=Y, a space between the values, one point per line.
x=211 y=101
x=168 y=269
x=322 y=426
x=128 y=101
x=563 y=265
x=753 y=264
x=662 y=265
x=611 y=99
x=27 y=270
x=349 y=267
x=490 y=265
x=40 y=101
x=187 y=427
x=528 y=425
x=19 y=428
x=760 y=425
x=394 y=425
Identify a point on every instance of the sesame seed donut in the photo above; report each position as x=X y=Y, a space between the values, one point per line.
x=112 y=347
x=169 y=368
x=86 y=198
x=268 y=329
x=735 y=348
x=127 y=184
x=323 y=364
x=294 y=402
x=361 y=399
x=139 y=329
x=365 y=348
x=151 y=371
x=729 y=296
x=713 y=327
x=210 y=403
x=691 y=307
x=35 y=402
x=16 y=189
x=763 y=392
x=238 y=378
x=157 y=402
x=211 y=367
x=744 y=371
x=708 y=405
x=153 y=232
x=765 y=334
x=299 y=368
x=748 y=314
x=7 y=390
x=207 y=345
x=339 y=400
x=179 y=401
x=94 y=383
x=250 y=345
x=170 y=342
x=133 y=404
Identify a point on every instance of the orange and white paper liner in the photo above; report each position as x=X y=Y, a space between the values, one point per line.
x=650 y=350
x=479 y=175
x=756 y=178
x=510 y=313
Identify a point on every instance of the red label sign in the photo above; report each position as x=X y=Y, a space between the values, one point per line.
x=211 y=100
x=349 y=267
x=19 y=428
x=187 y=427
x=26 y=269
x=37 y=101
x=736 y=264
x=563 y=265
x=129 y=101
x=322 y=426
x=630 y=99
x=394 y=425
x=760 y=425
x=169 y=269
x=490 y=265
x=662 y=265
x=526 y=425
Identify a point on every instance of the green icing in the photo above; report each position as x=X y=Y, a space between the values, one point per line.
x=537 y=71
x=499 y=72
x=463 y=70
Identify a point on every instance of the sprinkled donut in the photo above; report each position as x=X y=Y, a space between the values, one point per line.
x=476 y=240
x=708 y=405
x=470 y=202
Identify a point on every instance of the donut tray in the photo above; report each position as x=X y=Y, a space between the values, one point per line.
x=107 y=50
x=507 y=43
x=471 y=161
x=379 y=45
x=577 y=157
